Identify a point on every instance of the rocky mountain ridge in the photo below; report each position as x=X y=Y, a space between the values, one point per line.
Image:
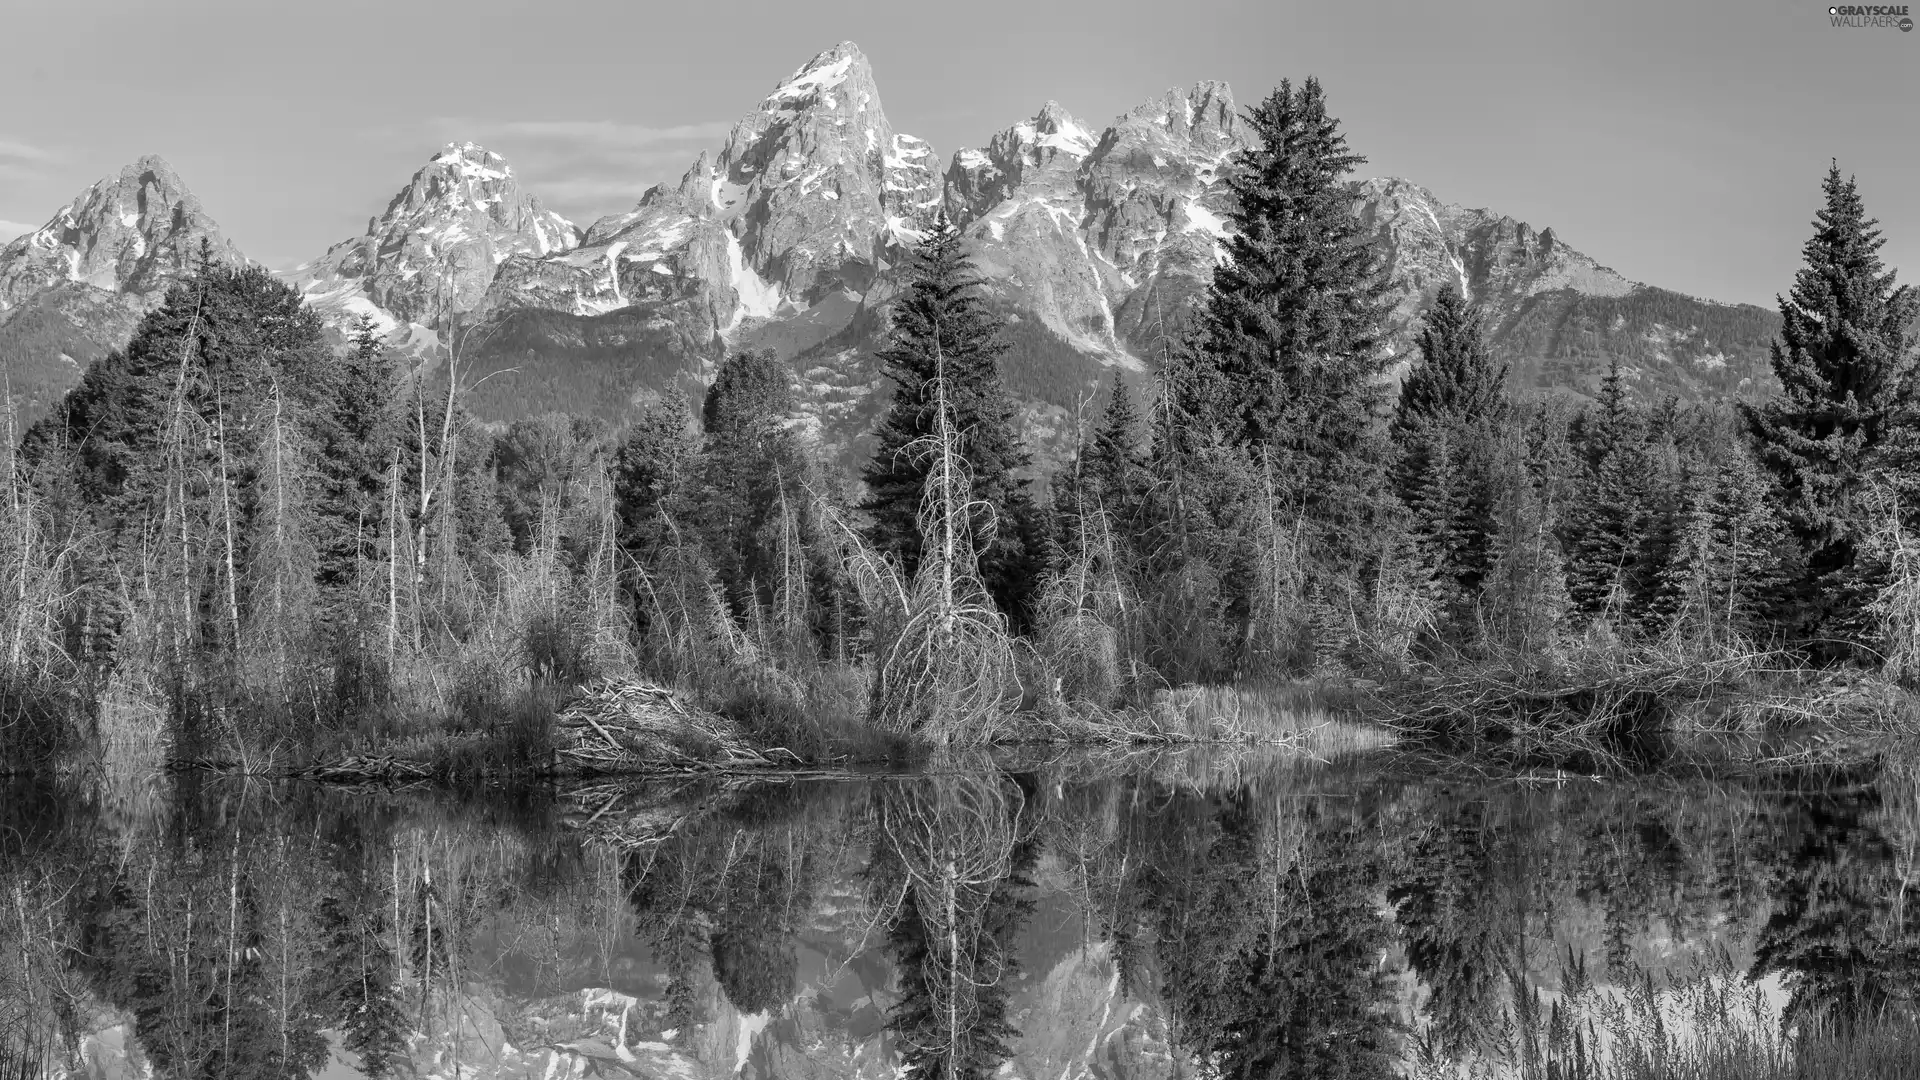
x=1094 y=241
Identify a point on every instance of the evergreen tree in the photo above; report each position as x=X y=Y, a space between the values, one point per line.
x=361 y=438
x=653 y=476
x=752 y=506
x=942 y=328
x=188 y=450
x=542 y=464
x=1114 y=466
x=1846 y=376
x=1456 y=379
x=1608 y=516
x=1452 y=409
x=1293 y=323
x=1524 y=597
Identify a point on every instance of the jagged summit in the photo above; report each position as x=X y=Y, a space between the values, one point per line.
x=434 y=250
x=130 y=234
x=798 y=208
x=818 y=78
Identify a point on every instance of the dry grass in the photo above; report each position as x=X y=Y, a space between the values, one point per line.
x=1306 y=718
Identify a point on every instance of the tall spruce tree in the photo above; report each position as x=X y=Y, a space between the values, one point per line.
x=1608 y=516
x=361 y=429
x=1114 y=466
x=751 y=505
x=1845 y=367
x=1457 y=379
x=653 y=476
x=1293 y=323
x=942 y=327
x=1452 y=408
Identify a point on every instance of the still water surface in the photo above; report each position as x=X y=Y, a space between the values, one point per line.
x=1154 y=917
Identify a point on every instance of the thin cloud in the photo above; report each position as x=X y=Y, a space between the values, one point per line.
x=17 y=151
x=611 y=133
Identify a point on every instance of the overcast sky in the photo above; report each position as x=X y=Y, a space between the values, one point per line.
x=1681 y=143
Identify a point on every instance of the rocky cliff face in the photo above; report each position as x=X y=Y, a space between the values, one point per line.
x=1106 y=236
x=76 y=288
x=436 y=248
x=1494 y=260
x=130 y=235
x=1554 y=313
x=798 y=208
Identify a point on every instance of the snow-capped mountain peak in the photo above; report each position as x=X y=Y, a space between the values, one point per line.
x=798 y=207
x=433 y=252
x=132 y=234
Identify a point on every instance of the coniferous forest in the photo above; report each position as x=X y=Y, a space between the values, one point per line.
x=237 y=545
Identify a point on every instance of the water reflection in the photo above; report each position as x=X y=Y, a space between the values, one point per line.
x=1054 y=921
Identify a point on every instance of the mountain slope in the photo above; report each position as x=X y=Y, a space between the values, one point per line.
x=1554 y=313
x=75 y=288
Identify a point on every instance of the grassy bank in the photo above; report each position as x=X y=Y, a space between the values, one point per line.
x=1594 y=713
x=1604 y=705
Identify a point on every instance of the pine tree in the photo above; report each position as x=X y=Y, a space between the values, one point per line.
x=180 y=448
x=542 y=464
x=360 y=433
x=1114 y=465
x=1728 y=559
x=941 y=324
x=751 y=504
x=1452 y=408
x=1293 y=322
x=1846 y=375
x=654 y=471
x=1456 y=378
x=1608 y=515
x=1524 y=597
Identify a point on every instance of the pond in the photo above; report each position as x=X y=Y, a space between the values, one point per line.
x=1184 y=914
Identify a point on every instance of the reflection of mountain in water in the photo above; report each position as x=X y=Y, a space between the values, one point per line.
x=969 y=924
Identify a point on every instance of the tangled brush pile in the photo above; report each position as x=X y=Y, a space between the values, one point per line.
x=629 y=725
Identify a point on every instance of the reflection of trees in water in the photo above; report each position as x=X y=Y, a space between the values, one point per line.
x=210 y=945
x=1837 y=931
x=1268 y=936
x=950 y=851
x=729 y=891
x=1454 y=928
x=1487 y=880
x=258 y=917
x=1251 y=919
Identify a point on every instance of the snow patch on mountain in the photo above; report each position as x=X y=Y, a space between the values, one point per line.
x=813 y=81
x=758 y=298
